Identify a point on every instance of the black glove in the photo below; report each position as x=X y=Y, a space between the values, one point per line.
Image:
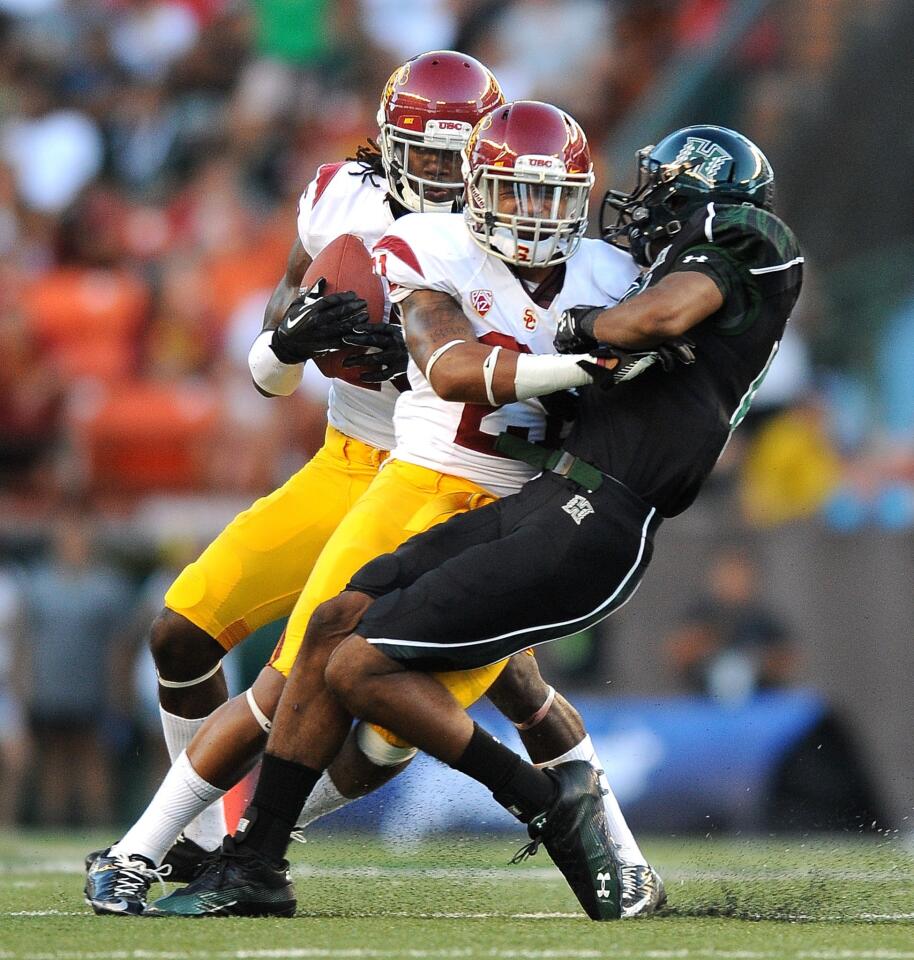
x=314 y=324
x=389 y=357
x=615 y=365
x=575 y=335
x=612 y=365
x=575 y=330
x=678 y=350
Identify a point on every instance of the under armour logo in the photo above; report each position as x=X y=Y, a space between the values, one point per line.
x=577 y=508
x=691 y=258
x=602 y=892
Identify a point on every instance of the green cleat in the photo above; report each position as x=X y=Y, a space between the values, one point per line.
x=576 y=836
x=234 y=882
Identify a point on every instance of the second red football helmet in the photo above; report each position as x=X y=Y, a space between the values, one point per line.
x=428 y=108
x=528 y=175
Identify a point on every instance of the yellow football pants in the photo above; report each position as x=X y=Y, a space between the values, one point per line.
x=404 y=499
x=254 y=571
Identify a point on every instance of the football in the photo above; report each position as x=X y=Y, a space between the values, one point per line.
x=345 y=264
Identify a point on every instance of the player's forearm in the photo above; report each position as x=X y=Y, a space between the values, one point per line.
x=271 y=377
x=443 y=344
x=668 y=310
x=288 y=287
x=472 y=372
x=478 y=373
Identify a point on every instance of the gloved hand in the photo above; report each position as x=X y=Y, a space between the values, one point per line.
x=575 y=330
x=613 y=366
x=575 y=335
x=314 y=324
x=389 y=357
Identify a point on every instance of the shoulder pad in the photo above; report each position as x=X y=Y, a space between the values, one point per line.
x=424 y=251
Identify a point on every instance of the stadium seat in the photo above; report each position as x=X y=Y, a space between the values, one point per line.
x=140 y=436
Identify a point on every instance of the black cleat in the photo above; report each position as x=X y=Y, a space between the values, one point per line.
x=643 y=892
x=234 y=882
x=186 y=859
x=576 y=836
x=119 y=884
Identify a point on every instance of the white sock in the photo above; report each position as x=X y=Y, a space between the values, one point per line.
x=323 y=799
x=181 y=797
x=618 y=828
x=209 y=827
x=179 y=731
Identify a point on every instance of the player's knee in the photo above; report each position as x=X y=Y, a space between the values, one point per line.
x=345 y=676
x=180 y=649
x=519 y=690
x=335 y=619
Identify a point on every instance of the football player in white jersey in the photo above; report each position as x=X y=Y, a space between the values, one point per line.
x=472 y=379
x=253 y=572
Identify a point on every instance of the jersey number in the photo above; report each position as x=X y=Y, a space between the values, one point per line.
x=469 y=431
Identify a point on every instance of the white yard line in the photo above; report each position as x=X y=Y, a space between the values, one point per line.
x=514 y=874
x=358 y=953
x=457 y=915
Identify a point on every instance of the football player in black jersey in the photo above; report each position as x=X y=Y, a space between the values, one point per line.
x=571 y=547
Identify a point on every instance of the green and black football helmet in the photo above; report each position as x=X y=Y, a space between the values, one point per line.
x=686 y=170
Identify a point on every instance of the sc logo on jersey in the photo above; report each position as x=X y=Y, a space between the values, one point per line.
x=530 y=319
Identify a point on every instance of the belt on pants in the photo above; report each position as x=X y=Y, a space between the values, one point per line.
x=558 y=461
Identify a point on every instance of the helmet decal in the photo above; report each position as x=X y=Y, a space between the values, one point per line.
x=687 y=169
x=705 y=159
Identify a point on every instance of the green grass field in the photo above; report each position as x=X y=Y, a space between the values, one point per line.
x=831 y=899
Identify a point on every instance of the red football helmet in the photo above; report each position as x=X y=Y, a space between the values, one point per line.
x=428 y=108
x=529 y=175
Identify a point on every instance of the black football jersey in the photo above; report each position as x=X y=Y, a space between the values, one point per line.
x=661 y=433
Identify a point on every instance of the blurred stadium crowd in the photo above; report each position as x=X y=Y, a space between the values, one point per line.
x=151 y=156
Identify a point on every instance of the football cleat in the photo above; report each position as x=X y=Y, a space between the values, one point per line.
x=576 y=836
x=643 y=892
x=234 y=882
x=118 y=884
x=185 y=858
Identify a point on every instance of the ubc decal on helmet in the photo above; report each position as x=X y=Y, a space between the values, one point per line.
x=708 y=157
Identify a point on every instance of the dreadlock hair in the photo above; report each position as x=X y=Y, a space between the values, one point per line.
x=368 y=157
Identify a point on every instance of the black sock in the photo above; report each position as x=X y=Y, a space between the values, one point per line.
x=278 y=799
x=514 y=783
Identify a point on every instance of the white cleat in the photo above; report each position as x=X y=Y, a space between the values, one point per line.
x=643 y=892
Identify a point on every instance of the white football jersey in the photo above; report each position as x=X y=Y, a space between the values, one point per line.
x=340 y=200
x=433 y=251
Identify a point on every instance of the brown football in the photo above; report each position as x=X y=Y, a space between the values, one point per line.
x=345 y=264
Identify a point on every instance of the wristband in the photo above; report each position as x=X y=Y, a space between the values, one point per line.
x=433 y=359
x=488 y=374
x=269 y=372
x=588 y=321
x=538 y=375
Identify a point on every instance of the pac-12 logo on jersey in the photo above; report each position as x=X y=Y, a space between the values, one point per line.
x=482 y=301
